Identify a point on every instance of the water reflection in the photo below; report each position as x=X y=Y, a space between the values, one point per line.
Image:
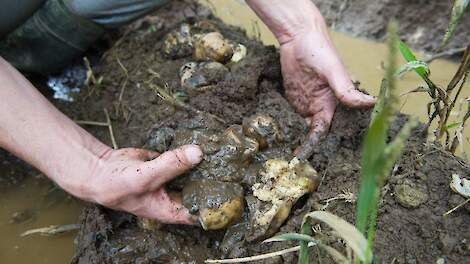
x=66 y=85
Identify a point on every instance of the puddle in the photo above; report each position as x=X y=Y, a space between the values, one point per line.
x=362 y=58
x=46 y=207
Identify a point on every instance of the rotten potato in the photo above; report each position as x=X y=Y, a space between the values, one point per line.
x=282 y=183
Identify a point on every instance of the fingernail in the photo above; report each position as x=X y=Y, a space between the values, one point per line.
x=193 y=154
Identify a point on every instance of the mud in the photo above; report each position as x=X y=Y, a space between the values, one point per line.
x=422 y=24
x=406 y=234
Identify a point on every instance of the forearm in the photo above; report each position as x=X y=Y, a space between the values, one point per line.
x=34 y=130
x=288 y=18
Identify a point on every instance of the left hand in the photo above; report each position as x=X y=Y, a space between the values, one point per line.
x=132 y=180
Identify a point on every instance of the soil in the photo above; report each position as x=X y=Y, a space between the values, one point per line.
x=422 y=24
x=413 y=232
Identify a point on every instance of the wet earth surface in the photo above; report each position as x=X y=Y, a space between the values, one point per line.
x=221 y=101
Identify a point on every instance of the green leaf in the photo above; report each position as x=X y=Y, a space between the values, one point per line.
x=291 y=237
x=453 y=125
x=349 y=233
x=418 y=66
x=371 y=164
x=306 y=229
x=409 y=56
x=456 y=14
x=406 y=51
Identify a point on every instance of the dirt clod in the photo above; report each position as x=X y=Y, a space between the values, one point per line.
x=409 y=195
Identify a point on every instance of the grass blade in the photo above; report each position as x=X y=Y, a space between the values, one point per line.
x=456 y=14
x=306 y=229
x=349 y=233
x=291 y=237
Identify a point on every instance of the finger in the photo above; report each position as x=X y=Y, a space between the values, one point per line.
x=319 y=126
x=166 y=209
x=306 y=149
x=169 y=165
x=345 y=91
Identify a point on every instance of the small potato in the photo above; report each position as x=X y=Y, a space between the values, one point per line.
x=212 y=46
x=225 y=215
x=217 y=204
x=178 y=44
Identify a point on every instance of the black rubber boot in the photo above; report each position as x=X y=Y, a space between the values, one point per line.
x=49 y=39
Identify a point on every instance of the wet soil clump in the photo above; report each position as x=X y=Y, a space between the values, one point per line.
x=407 y=232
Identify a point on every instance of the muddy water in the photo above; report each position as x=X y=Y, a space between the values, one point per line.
x=44 y=206
x=363 y=59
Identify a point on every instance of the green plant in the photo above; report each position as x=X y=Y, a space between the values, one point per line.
x=443 y=100
x=378 y=158
x=456 y=14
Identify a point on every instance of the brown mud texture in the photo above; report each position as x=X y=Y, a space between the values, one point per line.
x=422 y=24
x=410 y=229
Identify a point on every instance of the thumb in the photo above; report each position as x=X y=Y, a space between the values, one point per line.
x=170 y=164
x=345 y=91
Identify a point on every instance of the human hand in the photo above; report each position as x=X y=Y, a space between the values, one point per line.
x=133 y=180
x=314 y=80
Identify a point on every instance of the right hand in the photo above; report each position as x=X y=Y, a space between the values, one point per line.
x=132 y=180
x=315 y=79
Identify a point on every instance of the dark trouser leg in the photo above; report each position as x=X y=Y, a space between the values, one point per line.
x=63 y=29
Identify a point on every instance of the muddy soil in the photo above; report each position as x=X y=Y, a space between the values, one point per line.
x=14 y=171
x=410 y=230
x=422 y=24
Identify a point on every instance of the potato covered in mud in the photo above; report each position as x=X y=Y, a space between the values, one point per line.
x=195 y=77
x=263 y=128
x=244 y=148
x=282 y=183
x=178 y=44
x=212 y=46
x=217 y=204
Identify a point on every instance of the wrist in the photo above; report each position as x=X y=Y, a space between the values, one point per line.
x=288 y=19
x=76 y=173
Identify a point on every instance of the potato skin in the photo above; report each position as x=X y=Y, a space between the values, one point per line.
x=212 y=46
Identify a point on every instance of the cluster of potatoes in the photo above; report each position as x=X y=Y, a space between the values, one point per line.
x=213 y=191
x=212 y=53
x=220 y=202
